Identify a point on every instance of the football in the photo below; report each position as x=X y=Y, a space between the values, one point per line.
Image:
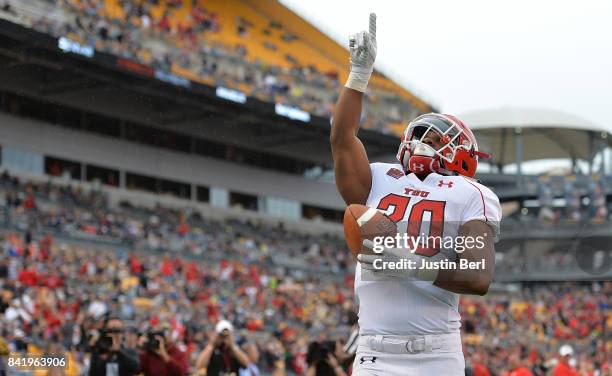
x=362 y=222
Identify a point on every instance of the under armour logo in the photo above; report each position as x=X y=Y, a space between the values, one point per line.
x=442 y=183
x=366 y=359
x=417 y=167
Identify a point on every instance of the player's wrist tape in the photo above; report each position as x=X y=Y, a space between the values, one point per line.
x=358 y=79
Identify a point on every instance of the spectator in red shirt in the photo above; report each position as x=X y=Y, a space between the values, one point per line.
x=183 y=228
x=167 y=268
x=164 y=23
x=516 y=366
x=28 y=277
x=162 y=357
x=30 y=202
x=564 y=368
x=478 y=367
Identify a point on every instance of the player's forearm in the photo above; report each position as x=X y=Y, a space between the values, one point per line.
x=347 y=113
x=463 y=282
x=362 y=51
x=472 y=280
x=478 y=262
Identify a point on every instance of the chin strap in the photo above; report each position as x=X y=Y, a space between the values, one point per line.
x=421 y=165
x=416 y=160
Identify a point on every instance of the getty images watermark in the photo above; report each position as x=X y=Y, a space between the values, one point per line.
x=430 y=250
x=429 y=247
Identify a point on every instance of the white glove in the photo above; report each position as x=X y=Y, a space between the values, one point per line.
x=362 y=47
x=410 y=264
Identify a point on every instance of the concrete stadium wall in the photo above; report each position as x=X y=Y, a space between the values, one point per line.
x=122 y=155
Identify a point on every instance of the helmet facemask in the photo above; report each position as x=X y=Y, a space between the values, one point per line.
x=449 y=137
x=453 y=139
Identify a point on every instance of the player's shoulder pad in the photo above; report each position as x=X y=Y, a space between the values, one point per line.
x=457 y=182
x=478 y=185
x=487 y=198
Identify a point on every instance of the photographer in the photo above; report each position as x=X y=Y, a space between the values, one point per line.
x=222 y=356
x=322 y=359
x=161 y=356
x=274 y=355
x=109 y=356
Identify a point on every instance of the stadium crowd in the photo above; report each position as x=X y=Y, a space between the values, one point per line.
x=527 y=329
x=572 y=188
x=165 y=41
x=59 y=295
x=72 y=211
x=172 y=277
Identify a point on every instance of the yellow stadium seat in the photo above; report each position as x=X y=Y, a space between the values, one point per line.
x=114 y=9
x=309 y=48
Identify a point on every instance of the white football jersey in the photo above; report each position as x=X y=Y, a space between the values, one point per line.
x=405 y=307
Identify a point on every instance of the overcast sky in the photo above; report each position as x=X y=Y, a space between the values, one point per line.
x=476 y=54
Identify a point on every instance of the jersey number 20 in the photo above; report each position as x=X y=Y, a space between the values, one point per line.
x=427 y=247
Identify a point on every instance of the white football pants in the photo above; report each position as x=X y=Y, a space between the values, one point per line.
x=436 y=354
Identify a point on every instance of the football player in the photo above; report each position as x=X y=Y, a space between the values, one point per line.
x=409 y=320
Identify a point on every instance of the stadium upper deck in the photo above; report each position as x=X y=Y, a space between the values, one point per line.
x=61 y=82
x=259 y=48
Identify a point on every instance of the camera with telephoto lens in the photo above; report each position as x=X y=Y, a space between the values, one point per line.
x=105 y=342
x=327 y=347
x=318 y=351
x=152 y=342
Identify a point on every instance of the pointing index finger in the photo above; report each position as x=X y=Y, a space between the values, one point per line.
x=373 y=25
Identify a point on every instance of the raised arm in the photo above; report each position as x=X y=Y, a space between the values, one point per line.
x=351 y=165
